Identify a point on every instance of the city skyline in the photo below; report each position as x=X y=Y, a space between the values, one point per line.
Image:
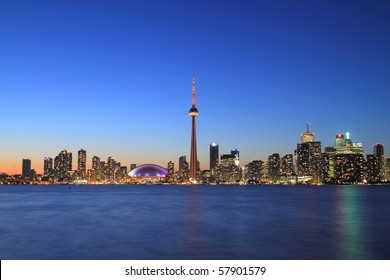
x=86 y=162
x=113 y=78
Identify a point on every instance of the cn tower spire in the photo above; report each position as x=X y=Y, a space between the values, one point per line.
x=193 y=114
x=193 y=91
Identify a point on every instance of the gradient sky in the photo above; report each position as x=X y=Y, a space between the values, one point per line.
x=114 y=77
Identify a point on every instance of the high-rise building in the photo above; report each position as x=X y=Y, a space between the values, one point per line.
x=193 y=114
x=373 y=169
x=345 y=145
x=379 y=153
x=378 y=150
x=307 y=152
x=133 y=166
x=228 y=156
x=304 y=153
x=214 y=155
x=183 y=168
x=82 y=164
x=325 y=167
x=47 y=166
x=63 y=165
x=236 y=153
x=330 y=152
x=123 y=172
x=228 y=171
x=307 y=136
x=171 y=168
x=349 y=167
x=96 y=163
x=287 y=165
x=387 y=169
x=339 y=141
x=274 y=166
x=26 y=168
x=254 y=170
x=110 y=170
x=316 y=168
x=96 y=169
x=170 y=177
x=347 y=161
x=183 y=163
x=264 y=170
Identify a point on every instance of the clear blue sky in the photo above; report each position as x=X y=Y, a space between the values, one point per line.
x=114 y=77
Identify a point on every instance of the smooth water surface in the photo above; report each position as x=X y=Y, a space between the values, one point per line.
x=200 y=222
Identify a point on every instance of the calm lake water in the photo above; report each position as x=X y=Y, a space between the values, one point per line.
x=202 y=222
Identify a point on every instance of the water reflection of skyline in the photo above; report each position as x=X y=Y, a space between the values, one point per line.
x=350 y=219
x=195 y=223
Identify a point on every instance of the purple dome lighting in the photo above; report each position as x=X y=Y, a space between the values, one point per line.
x=148 y=170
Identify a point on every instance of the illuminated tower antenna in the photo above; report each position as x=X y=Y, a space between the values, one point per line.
x=193 y=114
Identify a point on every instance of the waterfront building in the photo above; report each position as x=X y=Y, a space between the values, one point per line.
x=110 y=169
x=379 y=153
x=274 y=167
x=171 y=172
x=47 y=167
x=183 y=164
x=264 y=171
x=82 y=164
x=63 y=166
x=103 y=172
x=348 y=160
x=123 y=172
x=26 y=168
x=287 y=165
x=214 y=156
x=193 y=156
x=325 y=167
x=171 y=168
x=305 y=151
x=183 y=169
x=316 y=168
x=330 y=152
x=373 y=169
x=349 y=168
x=227 y=171
x=254 y=171
x=206 y=176
x=387 y=169
x=96 y=169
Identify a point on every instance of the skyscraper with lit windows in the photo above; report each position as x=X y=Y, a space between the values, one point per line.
x=379 y=153
x=274 y=167
x=171 y=168
x=48 y=166
x=63 y=165
x=214 y=156
x=183 y=168
x=82 y=164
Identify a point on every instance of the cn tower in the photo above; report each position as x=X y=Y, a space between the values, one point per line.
x=193 y=113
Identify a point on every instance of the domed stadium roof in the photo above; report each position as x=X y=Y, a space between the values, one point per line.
x=148 y=170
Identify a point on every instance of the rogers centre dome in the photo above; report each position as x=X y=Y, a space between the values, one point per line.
x=148 y=170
